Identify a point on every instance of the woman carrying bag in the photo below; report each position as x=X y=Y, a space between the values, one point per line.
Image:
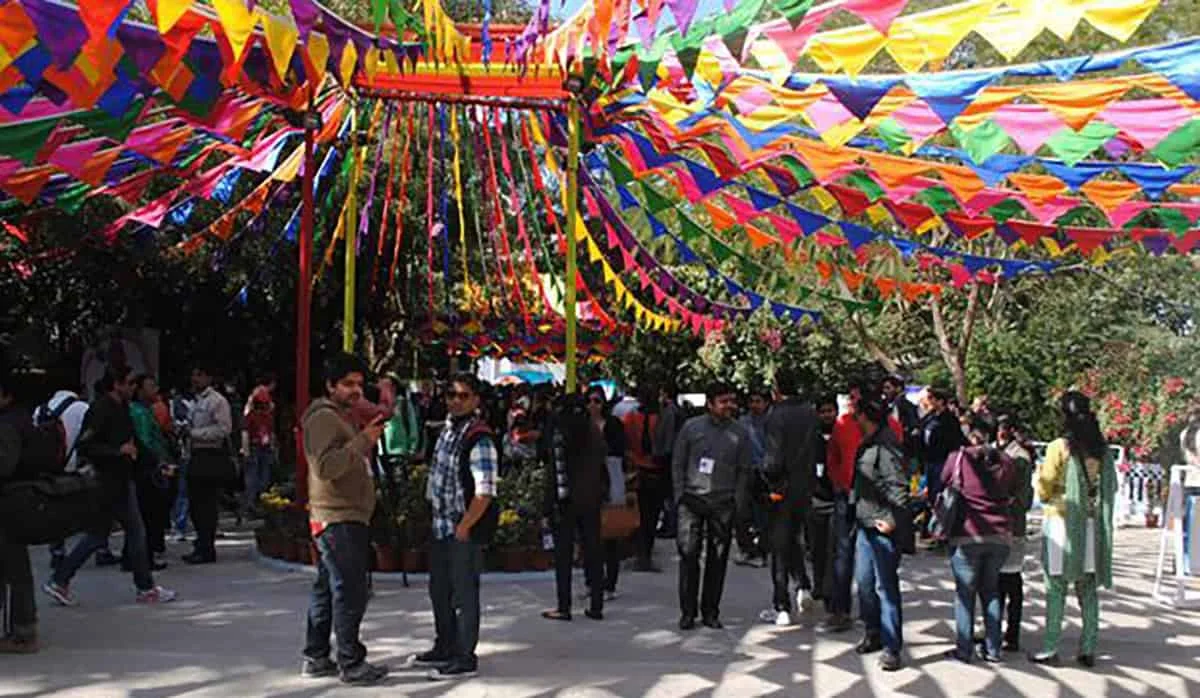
x=979 y=540
x=1076 y=484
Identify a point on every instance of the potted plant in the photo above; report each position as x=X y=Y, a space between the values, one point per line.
x=1153 y=503
x=508 y=541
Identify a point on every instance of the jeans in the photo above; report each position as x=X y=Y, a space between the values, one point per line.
x=877 y=573
x=454 y=569
x=654 y=489
x=784 y=530
x=843 y=554
x=703 y=525
x=125 y=510
x=259 y=464
x=587 y=525
x=339 y=595
x=179 y=508
x=976 y=568
x=16 y=592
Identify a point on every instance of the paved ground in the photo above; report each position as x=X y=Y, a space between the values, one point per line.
x=236 y=631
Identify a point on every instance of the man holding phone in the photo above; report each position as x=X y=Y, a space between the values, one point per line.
x=341 y=495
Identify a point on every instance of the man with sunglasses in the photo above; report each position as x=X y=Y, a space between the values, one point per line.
x=711 y=469
x=462 y=485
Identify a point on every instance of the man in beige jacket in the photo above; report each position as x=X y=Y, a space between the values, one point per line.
x=341 y=497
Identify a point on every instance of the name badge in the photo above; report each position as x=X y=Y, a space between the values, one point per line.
x=706 y=466
x=820 y=470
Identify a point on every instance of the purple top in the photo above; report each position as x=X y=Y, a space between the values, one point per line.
x=987 y=487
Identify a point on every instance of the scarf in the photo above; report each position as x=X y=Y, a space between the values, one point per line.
x=1075 y=514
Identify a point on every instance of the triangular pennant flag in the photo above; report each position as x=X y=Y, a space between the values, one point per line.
x=859 y=95
x=857 y=235
x=948 y=94
x=762 y=200
x=808 y=221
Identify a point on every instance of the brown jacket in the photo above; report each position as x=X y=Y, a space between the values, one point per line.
x=340 y=486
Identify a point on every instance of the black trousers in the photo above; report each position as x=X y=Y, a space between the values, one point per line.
x=820 y=539
x=584 y=527
x=155 y=504
x=18 y=608
x=703 y=525
x=785 y=535
x=654 y=489
x=204 y=498
x=1012 y=598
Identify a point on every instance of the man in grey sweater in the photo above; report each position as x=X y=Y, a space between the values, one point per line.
x=711 y=474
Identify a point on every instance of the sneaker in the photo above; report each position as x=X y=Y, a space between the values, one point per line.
x=768 y=616
x=868 y=645
x=890 y=661
x=432 y=659
x=155 y=595
x=712 y=623
x=804 y=600
x=61 y=593
x=454 y=672
x=1044 y=658
x=835 y=624
x=1087 y=661
x=19 y=645
x=364 y=674
x=783 y=619
x=318 y=668
x=610 y=594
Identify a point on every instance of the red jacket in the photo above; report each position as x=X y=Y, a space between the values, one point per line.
x=842 y=449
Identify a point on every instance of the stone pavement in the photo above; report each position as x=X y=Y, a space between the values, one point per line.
x=237 y=628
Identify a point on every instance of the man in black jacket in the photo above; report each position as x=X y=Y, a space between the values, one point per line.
x=880 y=500
x=107 y=441
x=791 y=443
x=905 y=413
x=941 y=435
x=15 y=570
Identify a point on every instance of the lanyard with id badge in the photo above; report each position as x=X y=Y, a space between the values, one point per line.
x=705 y=465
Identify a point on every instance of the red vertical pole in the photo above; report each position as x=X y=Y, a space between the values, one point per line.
x=304 y=299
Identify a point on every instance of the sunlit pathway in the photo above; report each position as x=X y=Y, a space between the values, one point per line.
x=237 y=629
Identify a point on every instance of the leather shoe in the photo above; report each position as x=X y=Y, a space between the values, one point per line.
x=594 y=615
x=687 y=623
x=1086 y=660
x=713 y=623
x=868 y=645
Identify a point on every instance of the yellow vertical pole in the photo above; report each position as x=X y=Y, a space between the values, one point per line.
x=573 y=127
x=351 y=228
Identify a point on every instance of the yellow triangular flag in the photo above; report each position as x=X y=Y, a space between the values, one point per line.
x=1119 y=18
x=318 y=51
x=824 y=199
x=169 y=12
x=347 y=64
x=237 y=22
x=282 y=36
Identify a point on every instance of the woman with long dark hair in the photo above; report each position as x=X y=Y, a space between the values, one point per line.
x=1076 y=484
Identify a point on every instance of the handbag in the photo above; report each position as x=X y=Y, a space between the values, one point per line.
x=948 y=508
x=619 y=522
x=52 y=507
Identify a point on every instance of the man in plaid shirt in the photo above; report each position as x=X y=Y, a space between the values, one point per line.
x=462 y=484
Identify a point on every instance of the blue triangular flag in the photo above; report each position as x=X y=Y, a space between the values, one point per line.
x=1153 y=179
x=857 y=235
x=627 y=200
x=859 y=96
x=761 y=199
x=706 y=179
x=808 y=221
x=656 y=225
x=948 y=94
x=975 y=263
x=1076 y=176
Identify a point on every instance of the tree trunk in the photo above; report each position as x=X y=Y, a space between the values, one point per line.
x=889 y=363
x=954 y=350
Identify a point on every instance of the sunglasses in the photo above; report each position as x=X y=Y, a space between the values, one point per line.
x=459 y=395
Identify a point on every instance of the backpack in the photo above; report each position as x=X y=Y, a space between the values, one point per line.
x=484 y=529
x=44 y=447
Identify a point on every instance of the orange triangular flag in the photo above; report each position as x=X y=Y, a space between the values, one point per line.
x=1109 y=194
x=1039 y=188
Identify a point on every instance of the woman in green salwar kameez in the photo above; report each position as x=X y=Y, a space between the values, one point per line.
x=1077 y=484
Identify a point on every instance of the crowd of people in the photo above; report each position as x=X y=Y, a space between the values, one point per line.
x=829 y=497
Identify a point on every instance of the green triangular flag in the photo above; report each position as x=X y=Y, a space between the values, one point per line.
x=859 y=180
x=688 y=56
x=794 y=10
x=689 y=230
x=648 y=73
x=655 y=202
x=23 y=140
x=720 y=250
x=620 y=171
x=1180 y=146
x=115 y=127
x=1173 y=220
x=893 y=134
x=1073 y=146
x=983 y=141
x=72 y=198
x=1005 y=210
x=802 y=174
x=938 y=199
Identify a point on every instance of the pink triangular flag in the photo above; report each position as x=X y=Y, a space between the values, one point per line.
x=1029 y=125
x=877 y=13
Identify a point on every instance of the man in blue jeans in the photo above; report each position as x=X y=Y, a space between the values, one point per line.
x=880 y=498
x=462 y=484
x=106 y=440
x=341 y=499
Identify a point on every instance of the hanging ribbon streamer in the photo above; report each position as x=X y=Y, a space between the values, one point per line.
x=458 y=198
x=502 y=224
x=429 y=223
x=410 y=111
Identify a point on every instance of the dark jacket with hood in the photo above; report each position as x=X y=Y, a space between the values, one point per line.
x=792 y=433
x=106 y=428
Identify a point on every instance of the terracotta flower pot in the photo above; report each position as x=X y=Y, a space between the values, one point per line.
x=304 y=552
x=1151 y=520
x=541 y=560
x=386 y=558
x=514 y=560
x=414 y=560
